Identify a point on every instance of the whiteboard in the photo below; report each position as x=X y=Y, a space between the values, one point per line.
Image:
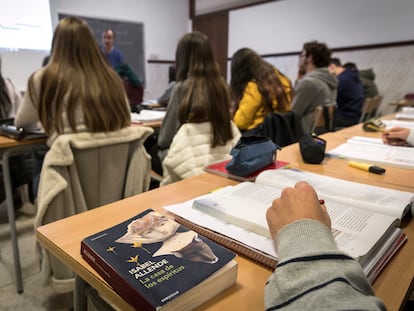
x=283 y=26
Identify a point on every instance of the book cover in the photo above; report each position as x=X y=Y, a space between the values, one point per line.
x=219 y=168
x=155 y=263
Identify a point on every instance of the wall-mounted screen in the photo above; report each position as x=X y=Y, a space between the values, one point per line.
x=25 y=24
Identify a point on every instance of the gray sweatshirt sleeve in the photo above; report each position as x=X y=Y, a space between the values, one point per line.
x=170 y=123
x=312 y=274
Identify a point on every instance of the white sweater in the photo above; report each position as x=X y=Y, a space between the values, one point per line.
x=191 y=151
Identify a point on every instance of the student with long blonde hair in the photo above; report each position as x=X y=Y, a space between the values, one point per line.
x=77 y=90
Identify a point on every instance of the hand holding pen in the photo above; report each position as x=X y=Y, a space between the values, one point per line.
x=296 y=203
x=396 y=136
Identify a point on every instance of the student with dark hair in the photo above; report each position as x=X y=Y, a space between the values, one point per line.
x=350 y=94
x=317 y=86
x=312 y=274
x=20 y=165
x=258 y=89
x=9 y=97
x=197 y=128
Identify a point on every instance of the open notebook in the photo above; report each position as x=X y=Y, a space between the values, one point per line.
x=373 y=150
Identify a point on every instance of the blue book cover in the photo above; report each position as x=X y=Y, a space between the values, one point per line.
x=151 y=260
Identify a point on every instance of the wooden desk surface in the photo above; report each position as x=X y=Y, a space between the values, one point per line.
x=63 y=237
x=6 y=142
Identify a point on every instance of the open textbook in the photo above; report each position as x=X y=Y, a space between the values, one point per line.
x=364 y=218
x=374 y=150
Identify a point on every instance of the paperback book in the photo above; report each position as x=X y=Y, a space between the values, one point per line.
x=155 y=263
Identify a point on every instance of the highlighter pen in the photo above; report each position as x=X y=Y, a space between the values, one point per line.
x=367 y=167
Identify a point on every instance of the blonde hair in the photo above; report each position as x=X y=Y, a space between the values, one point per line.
x=79 y=74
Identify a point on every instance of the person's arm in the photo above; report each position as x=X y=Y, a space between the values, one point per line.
x=248 y=106
x=28 y=115
x=15 y=97
x=312 y=274
x=303 y=95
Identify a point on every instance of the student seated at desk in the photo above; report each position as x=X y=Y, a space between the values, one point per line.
x=20 y=165
x=312 y=274
x=258 y=89
x=399 y=136
x=77 y=91
x=198 y=115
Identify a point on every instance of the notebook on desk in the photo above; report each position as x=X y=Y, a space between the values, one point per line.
x=18 y=133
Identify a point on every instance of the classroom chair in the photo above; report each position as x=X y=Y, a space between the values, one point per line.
x=80 y=172
x=324 y=119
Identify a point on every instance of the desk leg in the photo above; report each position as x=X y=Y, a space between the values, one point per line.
x=12 y=219
x=79 y=294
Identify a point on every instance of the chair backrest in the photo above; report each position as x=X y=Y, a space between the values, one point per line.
x=366 y=109
x=324 y=119
x=84 y=171
x=283 y=128
x=376 y=102
x=94 y=180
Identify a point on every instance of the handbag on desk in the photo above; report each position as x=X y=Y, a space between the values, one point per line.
x=251 y=154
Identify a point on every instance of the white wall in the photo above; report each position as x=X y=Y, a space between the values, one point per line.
x=165 y=21
x=283 y=26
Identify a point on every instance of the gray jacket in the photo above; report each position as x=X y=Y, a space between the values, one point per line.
x=317 y=87
x=312 y=274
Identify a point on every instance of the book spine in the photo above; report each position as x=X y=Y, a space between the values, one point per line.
x=235 y=246
x=116 y=281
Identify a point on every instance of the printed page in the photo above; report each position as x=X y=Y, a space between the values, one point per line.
x=375 y=153
x=376 y=199
x=356 y=230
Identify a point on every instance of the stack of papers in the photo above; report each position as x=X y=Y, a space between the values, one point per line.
x=147 y=116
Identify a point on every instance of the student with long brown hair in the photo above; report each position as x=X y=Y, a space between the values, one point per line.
x=258 y=89
x=198 y=118
x=77 y=91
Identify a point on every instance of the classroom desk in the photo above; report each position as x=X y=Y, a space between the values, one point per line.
x=402 y=103
x=395 y=177
x=63 y=237
x=8 y=148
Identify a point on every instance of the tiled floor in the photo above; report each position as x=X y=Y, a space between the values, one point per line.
x=36 y=296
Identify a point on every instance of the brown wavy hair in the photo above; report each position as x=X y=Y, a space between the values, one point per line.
x=246 y=66
x=79 y=74
x=5 y=101
x=204 y=92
